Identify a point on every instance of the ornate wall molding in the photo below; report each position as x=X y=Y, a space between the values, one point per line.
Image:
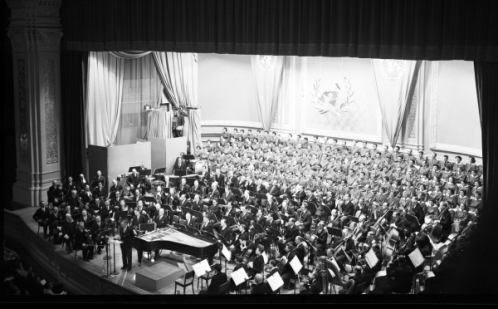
x=23 y=111
x=52 y=152
x=433 y=109
x=39 y=39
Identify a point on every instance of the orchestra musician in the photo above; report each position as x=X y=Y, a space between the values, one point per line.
x=82 y=240
x=99 y=233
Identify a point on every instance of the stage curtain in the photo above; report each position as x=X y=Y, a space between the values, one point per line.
x=130 y=54
x=104 y=98
x=267 y=72
x=159 y=123
x=178 y=72
x=73 y=88
x=141 y=86
x=396 y=81
x=386 y=29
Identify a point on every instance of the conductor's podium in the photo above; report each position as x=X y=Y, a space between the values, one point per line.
x=158 y=276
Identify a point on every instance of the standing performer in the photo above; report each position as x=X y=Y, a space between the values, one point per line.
x=126 y=234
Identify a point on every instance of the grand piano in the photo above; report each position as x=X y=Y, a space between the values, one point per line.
x=173 y=239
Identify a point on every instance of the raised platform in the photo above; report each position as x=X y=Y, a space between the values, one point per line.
x=158 y=276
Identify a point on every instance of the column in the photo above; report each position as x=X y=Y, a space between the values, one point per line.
x=35 y=32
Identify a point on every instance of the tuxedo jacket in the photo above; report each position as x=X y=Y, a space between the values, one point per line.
x=220 y=179
x=161 y=222
x=180 y=164
x=183 y=190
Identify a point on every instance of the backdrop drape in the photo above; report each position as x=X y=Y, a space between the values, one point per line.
x=396 y=82
x=159 y=123
x=178 y=72
x=141 y=86
x=104 y=97
x=401 y=29
x=268 y=73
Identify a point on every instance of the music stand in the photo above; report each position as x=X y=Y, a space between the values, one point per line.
x=279 y=200
x=261 y=196
x=131 y=204
x=188 y=157
x=149 y=200
x=334 y=231
x=294 y=203
x=130 y=169
x=145 y=172
x=120 y=214
x=180 y=172
x=161 y=170
x=147 y=227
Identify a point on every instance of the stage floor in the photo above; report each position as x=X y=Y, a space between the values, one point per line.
x=97 y=266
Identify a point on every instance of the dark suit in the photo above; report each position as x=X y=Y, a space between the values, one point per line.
x=54 y=193
x=127 y=234
x=183 y=190
x=220 y=179
x=80 y=238
x=257 y=265
x=216 y=282
x=42 y=216
x=261 y=288
x=133 y=180
x=180 y=164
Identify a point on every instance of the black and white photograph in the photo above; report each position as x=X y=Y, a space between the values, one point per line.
x=250 y=151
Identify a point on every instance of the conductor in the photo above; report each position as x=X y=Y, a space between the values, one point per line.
x=126 y=234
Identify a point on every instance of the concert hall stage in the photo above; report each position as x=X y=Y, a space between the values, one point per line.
x=78 y=276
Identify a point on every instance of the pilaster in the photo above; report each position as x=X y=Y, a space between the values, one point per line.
x=35 y=32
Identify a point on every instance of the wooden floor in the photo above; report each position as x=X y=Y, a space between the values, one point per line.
x=124 y=278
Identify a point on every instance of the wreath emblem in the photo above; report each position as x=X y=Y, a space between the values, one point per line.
x=336 y=100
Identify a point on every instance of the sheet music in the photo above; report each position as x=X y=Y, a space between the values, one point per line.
x=371 y=258
x=416 y=257
x=239 y=276
x=275 y=281
x=296 y=264
x=201 y=268
x=227 y=253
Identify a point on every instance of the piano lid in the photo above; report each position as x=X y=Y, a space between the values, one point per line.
x=173 y=235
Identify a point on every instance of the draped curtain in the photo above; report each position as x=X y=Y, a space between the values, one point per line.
x=142 y=86
x=178 y=72
x=396 y=81
x=267 y=72
x=103 y=99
